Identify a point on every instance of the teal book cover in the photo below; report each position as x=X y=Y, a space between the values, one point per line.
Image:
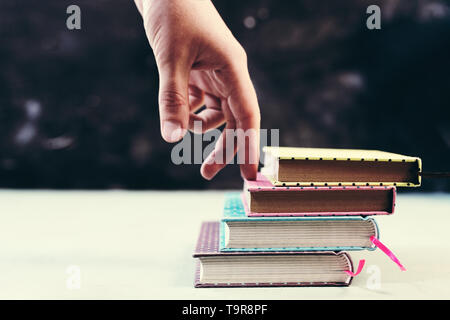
x=238 y=232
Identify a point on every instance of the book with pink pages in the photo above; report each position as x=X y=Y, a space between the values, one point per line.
x=261 y=198
x=217 y=269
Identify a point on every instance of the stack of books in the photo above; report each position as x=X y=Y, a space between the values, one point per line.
x=294 y=224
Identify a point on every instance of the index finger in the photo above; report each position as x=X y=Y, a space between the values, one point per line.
x=244 y=107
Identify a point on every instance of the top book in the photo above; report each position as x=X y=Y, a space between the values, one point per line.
x=285 y=166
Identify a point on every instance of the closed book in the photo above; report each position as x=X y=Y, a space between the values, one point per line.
x=242 y=233
x=265 y=269
x=285 y=166
x=263 y=199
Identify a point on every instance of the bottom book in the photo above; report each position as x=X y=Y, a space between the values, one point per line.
x=266 y=269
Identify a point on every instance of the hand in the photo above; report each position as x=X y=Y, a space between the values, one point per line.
x=201 y=63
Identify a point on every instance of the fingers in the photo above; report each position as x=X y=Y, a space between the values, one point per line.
x=244 y=107
x=174 y=62
x=173 y=100
x=241 y=112
x=206 y=120
x=210 y=118
x=223 y=153
x=196 y=98
x=225 y=148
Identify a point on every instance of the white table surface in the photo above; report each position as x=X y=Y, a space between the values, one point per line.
x=138 y=245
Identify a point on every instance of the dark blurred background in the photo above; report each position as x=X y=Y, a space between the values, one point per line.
x=78 y=109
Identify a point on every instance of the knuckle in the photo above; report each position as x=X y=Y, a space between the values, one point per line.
x=240 y=53
x=248 y=117
x=171 y=100
x=237 y=55
x=252 y=116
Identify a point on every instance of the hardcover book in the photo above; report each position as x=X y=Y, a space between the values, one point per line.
x=262 y=198
x=285 y=166
x=242 y=233
x=266 y=269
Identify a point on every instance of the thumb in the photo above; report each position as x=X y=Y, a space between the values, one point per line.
x=173 y=101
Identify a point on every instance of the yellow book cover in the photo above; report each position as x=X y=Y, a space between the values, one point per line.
x=288 y=166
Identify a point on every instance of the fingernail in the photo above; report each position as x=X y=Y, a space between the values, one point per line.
x=211 y=158
x=172 y=131
x=204 y=171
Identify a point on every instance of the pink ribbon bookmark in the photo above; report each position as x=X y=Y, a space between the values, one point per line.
x=388 y=252
x=358 y=271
